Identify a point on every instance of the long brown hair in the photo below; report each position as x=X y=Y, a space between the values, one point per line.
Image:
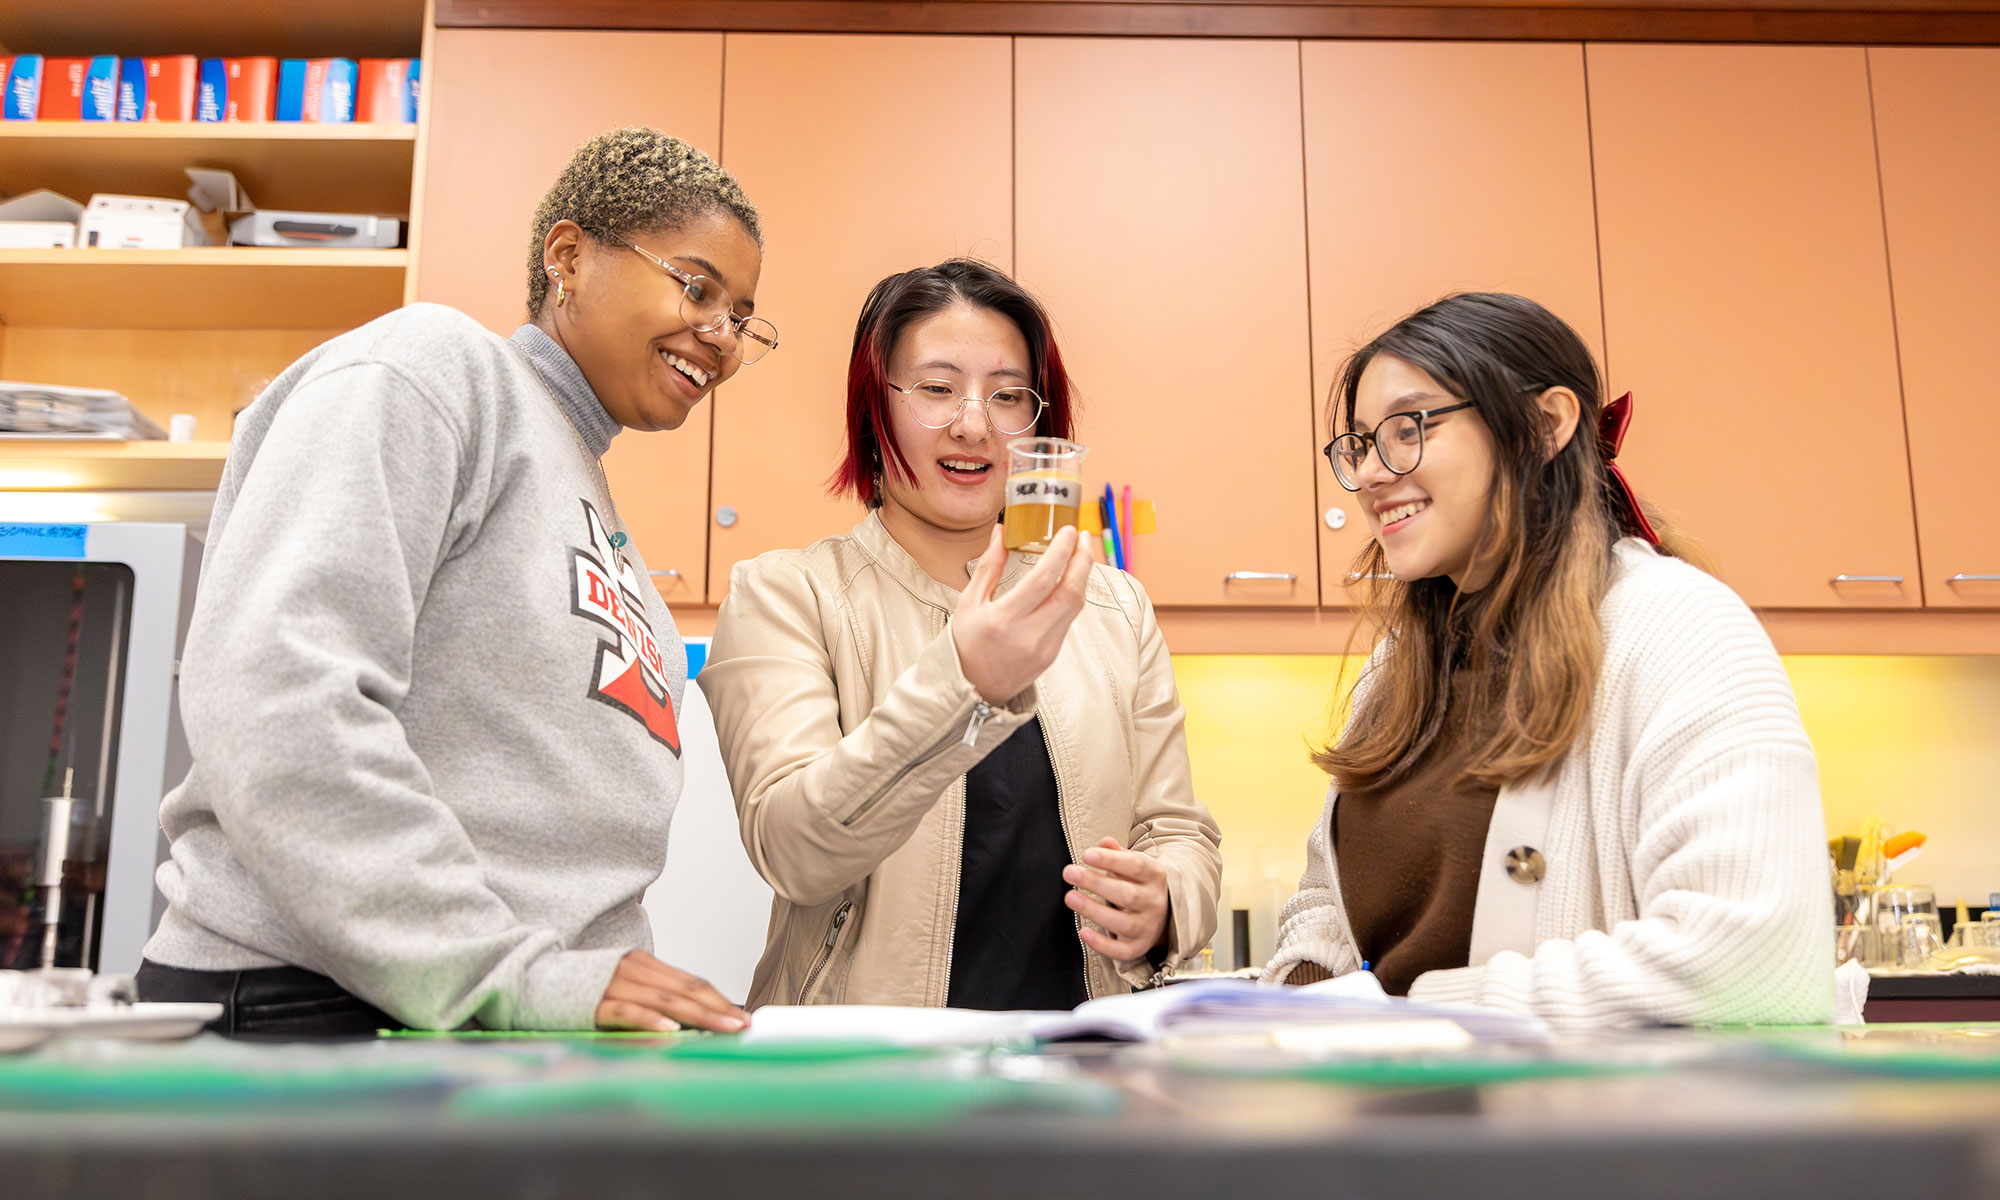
x=1527 y=643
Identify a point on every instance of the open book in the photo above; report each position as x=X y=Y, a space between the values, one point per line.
x=1207 y=1006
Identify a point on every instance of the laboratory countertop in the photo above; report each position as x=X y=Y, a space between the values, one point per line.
x=1878 y=1110
x=1933 y=997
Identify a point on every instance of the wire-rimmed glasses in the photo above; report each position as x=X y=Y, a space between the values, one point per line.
x=1398 y=440
x=707 y=307
x=937 y=403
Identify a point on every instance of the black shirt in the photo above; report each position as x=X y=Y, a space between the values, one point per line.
x=1015 y=942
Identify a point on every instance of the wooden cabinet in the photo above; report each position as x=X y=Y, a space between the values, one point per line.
x=1433 y=168
x=199 y=330
x=1746 y=299
x=508 y=108
x=1160 y=214
x=1214 y=225
x=1937 y=119
x=866 y=156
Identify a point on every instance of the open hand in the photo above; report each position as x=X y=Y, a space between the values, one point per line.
x=647 y=994
x=1125 y=893
x=1006 y=642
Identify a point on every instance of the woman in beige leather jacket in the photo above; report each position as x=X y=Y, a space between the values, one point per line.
x=962 y=771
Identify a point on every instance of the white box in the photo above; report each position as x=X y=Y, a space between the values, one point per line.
x=139 y=223
x=42 y=220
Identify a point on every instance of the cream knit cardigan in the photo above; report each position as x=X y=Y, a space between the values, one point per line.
x=1686 y=856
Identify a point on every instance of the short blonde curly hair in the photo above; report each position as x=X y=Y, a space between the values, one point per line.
x=630 y=182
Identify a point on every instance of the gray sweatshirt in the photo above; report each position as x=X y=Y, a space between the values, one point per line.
x=431 y=708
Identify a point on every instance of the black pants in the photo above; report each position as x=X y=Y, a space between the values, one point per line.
x=269 y=1003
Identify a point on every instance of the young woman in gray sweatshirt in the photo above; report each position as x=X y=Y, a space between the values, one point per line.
x=429 y=687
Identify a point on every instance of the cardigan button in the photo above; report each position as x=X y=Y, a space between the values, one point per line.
x=1526 y=865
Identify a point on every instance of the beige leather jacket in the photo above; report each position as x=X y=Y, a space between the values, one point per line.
x=847 y=727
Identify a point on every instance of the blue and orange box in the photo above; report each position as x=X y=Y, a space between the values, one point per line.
x=237 y=89
x=79 y=89
x=316 y=89
x=21 y=81
x=387 y=91
x=158 y=89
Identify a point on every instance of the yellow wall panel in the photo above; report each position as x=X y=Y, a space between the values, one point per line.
x=1915 y=740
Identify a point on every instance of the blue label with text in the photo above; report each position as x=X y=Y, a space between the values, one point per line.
x=42 y=541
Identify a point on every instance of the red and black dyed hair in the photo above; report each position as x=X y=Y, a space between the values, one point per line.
x=891 y=307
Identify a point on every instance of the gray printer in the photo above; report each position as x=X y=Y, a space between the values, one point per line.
x=271 y=227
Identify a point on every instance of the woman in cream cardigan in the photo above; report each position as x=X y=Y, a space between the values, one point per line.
x=963 y=775
x=1573 y=781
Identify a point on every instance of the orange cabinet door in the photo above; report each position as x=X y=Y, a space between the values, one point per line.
x=1434 y=168
x=507 y=108
x=867 y=156
x=1937 y=115
x=1746 y=306
x=1160 y=214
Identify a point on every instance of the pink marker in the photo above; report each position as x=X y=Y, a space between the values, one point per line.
x=1126 y=529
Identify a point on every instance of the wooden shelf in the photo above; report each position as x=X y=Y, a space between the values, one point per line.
x=350 y=29
x=55 y=465
x=328 y=168
x=226 y=287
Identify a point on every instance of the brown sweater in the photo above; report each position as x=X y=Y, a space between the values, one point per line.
x=1409 y=857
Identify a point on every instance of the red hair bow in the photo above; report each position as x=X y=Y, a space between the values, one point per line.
x=1611 y=425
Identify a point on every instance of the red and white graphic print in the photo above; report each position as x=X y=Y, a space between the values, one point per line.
x=630 y=674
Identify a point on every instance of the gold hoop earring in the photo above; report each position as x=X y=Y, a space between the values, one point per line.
x=555 y=277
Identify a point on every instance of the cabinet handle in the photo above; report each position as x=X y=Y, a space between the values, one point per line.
x=1260 y=576
x=669 y=573
x=1963 y=578
x=1868 y=579
x=1357 y=577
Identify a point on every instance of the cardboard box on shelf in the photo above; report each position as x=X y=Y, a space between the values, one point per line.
x=41 y=220
x=24 y=88
x=316 y=89
x=219 y=199
x=386 y=93
x=139 y=223
x=158 y=89
x=237 y=89
x=79 y=89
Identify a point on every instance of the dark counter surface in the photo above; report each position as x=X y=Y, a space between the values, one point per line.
x=1913 y=1111
x=1934 y=987
x=1955 y=998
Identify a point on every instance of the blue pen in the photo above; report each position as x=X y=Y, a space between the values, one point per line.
x=1111 y=523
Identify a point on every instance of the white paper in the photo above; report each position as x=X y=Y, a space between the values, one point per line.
x=51 y=410
x=1209 y=1005
x=889 y=1025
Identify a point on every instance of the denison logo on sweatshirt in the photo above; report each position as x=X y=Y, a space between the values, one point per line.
x=630 y=675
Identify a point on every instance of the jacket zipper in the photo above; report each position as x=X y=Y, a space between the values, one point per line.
x=981 y=711
x=1062 y=817
x=957 y=889
x=826 y=951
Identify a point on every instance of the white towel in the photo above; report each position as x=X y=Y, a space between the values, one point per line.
x=1850 y=992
